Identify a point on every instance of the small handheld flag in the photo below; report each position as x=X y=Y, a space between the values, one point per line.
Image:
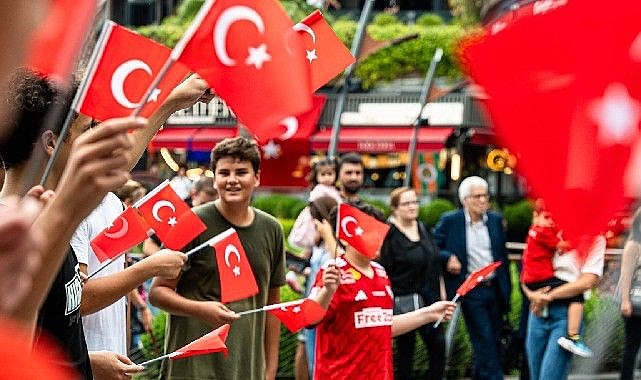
x=471 y=281
x=212 y=342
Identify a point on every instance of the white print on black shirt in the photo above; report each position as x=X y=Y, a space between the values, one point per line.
x=73 y=290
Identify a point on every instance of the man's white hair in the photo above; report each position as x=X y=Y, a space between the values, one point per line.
x=465 y=188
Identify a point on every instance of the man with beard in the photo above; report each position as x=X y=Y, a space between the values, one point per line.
x=350 y=177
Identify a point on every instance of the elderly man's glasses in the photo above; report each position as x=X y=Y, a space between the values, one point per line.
x=479 y=196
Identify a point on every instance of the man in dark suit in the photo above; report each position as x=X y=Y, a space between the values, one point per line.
x=469 y=239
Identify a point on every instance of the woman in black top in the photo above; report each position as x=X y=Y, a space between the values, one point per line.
x=412 y=263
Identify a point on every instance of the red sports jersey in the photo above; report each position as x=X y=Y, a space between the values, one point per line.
x=354 y=340
x=538 y=254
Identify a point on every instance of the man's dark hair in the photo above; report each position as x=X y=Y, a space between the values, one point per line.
x=350 y=158
x=239 y=148
x=29 y=99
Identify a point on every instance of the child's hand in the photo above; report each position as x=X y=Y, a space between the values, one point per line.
x=563 y=246
x=331 y=277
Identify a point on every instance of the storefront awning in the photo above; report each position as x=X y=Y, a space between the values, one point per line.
x=190 y=139
x=383 y=139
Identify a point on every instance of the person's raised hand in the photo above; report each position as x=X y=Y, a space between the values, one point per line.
x=166 y=263
x=191 y=90
x=98 y=163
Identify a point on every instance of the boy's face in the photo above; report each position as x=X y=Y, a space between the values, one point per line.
x=543 y=219
x=235 y=180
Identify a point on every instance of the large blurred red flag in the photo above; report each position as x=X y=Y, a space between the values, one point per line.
x=297 y=314
x=125 y=65
x=212 y=342
x=127 y=230
x=237 y=280
x=170 y=217
x=361 y=231
x=325 y=52
x=249 y=53
x=563 y=93
x=54 y=47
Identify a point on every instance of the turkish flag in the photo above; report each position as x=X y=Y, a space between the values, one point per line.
x=236 y=276
x=127 y=230
x=564 y=94
x=125 y=65
x=54 y=47
x=249 y=54
x=297 y=314
x=476 y=278
x=325 y=52
x=360 y=230
x=212 y=342
x=170 y=217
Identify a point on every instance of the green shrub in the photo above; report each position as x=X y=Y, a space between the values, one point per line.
x=431 y=212
x=153 y=346
x=518 y=217
x=280 y=206
x=429 y=19
x=380 y=204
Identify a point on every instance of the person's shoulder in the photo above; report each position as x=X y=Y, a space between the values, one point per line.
x=452 y=214
x=265 y=219
x=494 y=214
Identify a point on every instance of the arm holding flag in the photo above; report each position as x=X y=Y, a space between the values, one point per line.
x=96 y=165
x=406 y=322
x=108 y=365
x=191 y=90
x=99 y=293
x=163 y=295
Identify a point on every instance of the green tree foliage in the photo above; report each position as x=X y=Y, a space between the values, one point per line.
x=466 y=12
x=431 y=213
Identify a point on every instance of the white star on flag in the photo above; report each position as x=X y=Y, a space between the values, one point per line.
x=154 y=95
x=617 y=115
x=271 y=150
x=236 y=271
x=296 y=309
x=311 y=55
x=358 y=231
x=172 y=221
x=257 y=56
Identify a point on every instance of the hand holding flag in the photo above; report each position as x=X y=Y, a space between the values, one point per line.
x=212 y=342
x=471 y=281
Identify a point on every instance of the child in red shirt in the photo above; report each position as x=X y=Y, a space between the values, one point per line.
x=543 y=242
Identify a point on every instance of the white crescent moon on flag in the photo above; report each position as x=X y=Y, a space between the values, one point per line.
x=225 y=20
x=300 y=27
x=344 y=221
x=121 y=232
x=231 y=249
x=119 y=77
x=291 y=123
x=160 y=204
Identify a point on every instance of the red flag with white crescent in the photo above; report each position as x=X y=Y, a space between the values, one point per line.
x=360 y=230
x=297 y=314
x=568 y=104
x=250 y=55
x=126 y=64
x=324 y=51
x=55 y=44
x=125 y=232
x=170 y=217
x=237 y=279
x=212 y=342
